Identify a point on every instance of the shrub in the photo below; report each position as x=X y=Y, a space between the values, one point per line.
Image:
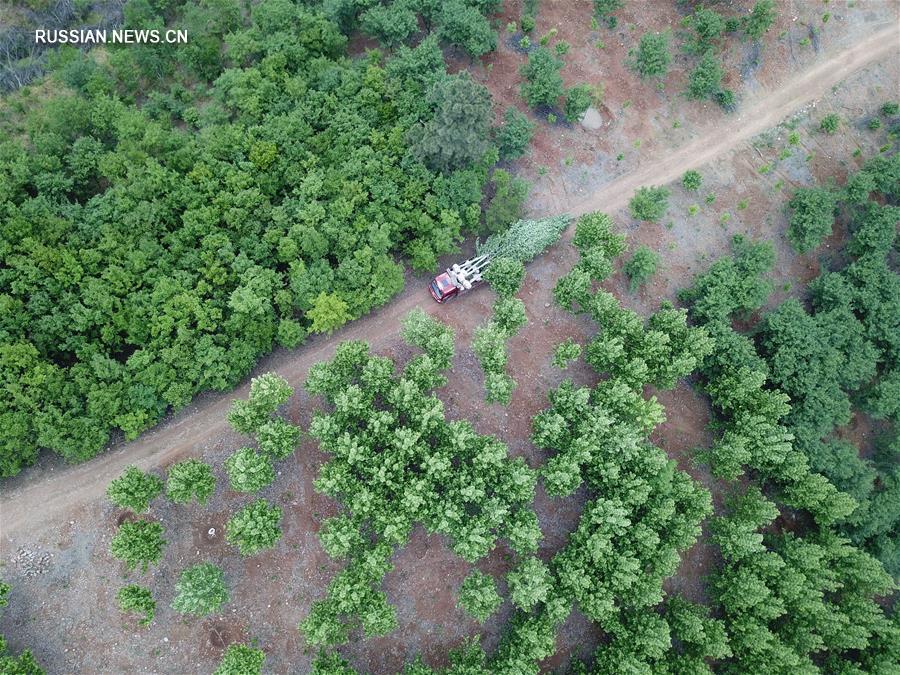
x=133 y=598
x=543 y=83
x=134 y=489
x=830 y=123
x=641 y=266
x=138 y=543
x=691 y=180
x=249 y=471
x=254 y=528
x=890 y=108
x=578 y=100
x=241 y=660
x=760 y=19
x=812 y=218
x=515 y=134
x=188 y=479
x=200 y=590
x=649 y=203
x=508 y=203
x=478 y=595
x=652 y=57
x=705 y=80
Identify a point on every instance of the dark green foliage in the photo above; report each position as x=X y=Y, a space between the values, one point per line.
x=543 y=84
x=578 y=100
x=134 y=489
x=249 y=471
x=505 y=276
x=507 y=204
x=189 y=479
x=138 y=543
x=726 y=98
x=830 y=123
x=691 y=180
x=890 y=108
x=133 y=598
x=760 y=19
x=264 y=189
x=457 y=134
x=241 y=660
x=5 y=588
x=515 y=134
x=254 y=528
x=705 y=81
x=649 y=203
x=605 y=8
x=708 y=26
x=200 y=590
x=478 y=595
x=464 y=25
x=652 y=57
x=641 y=266
x=391 y=24
x=812 y=217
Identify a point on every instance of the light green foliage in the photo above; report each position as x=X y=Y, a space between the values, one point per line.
x=652 y=57
x=330 y=663
x=478 y=595
x=692 y=180
x=529 y=583
x=254 y=528
x=543 y=84
x=267 y=393
x=431 y=336
x=133 y=598
x=489 y=346
x=565 y=353
x=508 y=203
x=134 y=489
x=649 y=203
x=138 y=544
x=812 y=217
x=505 y=276
x=641 y=266
x=200 y=590
x=705 y=81
x=249 y=471
x=760 y=19
x=515 y=134
x=597 y=246
x=442 y=474
x=509 y=315
x=830 y=123
x=189 y=479
x=278 y=438
x=525 y=239
x=578 y=100
x=241 y=660
x=457 y=134
x=329 y=312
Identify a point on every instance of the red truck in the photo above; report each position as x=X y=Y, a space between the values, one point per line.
x=459 y=278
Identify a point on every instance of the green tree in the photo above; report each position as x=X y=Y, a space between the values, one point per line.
x=691 y=180
x=760 y=19
x=457 y=135
x=134 y=489
x=278 y=438
x=605 y=8
x=709 y=26
x=241 y=660
x=812 y=217
x=515 y=135
x=652 y=57
x=249 y=471
x=649 y=203
x=478 y=595
x=188 y=479
x=641 y=266
x=200 y=590
x=705 y=81
x=391 y=24
x=565 y=353
x=133 y=598
x=267 y=393
x=464 y=25
x=578 y=100
x=138 y=543
x=505 y=276
x=830 y=123
x=529 y=583
x=254 y=528
x=508 y=202
x=543 y=83
x=328 y=313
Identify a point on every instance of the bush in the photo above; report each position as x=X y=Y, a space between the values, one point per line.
x=478 y=595
x=641 y=266
x=188 y=479
x=241 y=660
x=515 y=134
x=508 y=203
x=254 y=528
x=578 y=100
x=652 y=57
x=691 y=180
x=133 y=598
x=812 y=218
x=760 y=19
x=649 y=203
x=134 y=489
x=830 y=123
x=200 y=590
x=138 y=543
x=505 y=276
x=249 y=471
x=726 y=99
x=565 y=353
x=543 y=83
x=705 y=80
x=890 y=108
x=529 y=583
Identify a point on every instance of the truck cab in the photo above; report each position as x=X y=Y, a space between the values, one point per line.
x=442 y=288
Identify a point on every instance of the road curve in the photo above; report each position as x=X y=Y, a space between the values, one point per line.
x=42 y=495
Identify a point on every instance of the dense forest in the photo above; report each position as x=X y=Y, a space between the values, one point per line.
x=167 y=219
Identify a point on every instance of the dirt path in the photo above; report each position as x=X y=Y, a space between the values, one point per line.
x=41 y=495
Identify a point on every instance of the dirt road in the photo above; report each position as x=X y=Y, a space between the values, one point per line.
x=43 y=494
